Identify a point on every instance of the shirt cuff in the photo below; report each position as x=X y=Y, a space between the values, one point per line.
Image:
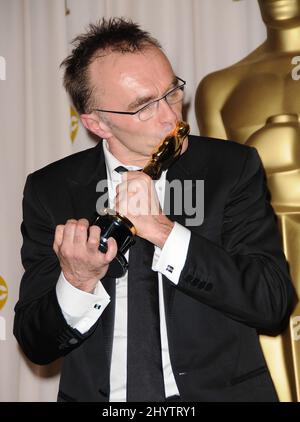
x=171 y=258
x=80 y=309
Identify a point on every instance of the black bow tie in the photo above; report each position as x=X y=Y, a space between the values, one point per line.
x=121 y=169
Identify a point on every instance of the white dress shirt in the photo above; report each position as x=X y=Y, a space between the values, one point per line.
x=81 y=310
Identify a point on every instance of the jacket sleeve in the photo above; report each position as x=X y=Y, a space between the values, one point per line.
x=39 y=325
x=246 y=277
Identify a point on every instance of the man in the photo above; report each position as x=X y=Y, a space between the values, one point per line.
x=218 y=282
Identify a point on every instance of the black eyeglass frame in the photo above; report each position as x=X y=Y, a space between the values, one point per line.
x=132 y=113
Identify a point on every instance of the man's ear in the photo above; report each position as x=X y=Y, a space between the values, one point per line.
x=92 y=123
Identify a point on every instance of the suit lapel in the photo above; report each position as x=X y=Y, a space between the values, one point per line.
x=186 y=170
x=83 y=189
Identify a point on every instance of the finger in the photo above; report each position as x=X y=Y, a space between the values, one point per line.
x=94 y=238
x=133 y=177
x=69 y=231
x=112 y=249
x=58 y=237
x=121 y=187
x=138 y=184
x=122 y=200
x=116 y=201
x=71 y=220
x=130 y=175
x=81 y=232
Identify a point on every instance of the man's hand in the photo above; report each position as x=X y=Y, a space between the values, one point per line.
x=82 y=264
x=136 y=199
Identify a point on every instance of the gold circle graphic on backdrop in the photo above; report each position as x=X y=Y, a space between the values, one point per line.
x=3 y=292
x=74 y=123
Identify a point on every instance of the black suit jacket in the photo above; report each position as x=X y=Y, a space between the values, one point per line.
x=234 y=283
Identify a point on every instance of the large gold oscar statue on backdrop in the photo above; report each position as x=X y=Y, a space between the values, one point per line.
x=257 y=102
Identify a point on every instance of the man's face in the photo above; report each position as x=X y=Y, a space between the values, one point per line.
x=127 y=82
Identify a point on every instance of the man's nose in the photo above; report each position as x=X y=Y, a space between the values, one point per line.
x=166 y=113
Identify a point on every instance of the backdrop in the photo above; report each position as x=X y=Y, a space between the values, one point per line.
x=38 y=126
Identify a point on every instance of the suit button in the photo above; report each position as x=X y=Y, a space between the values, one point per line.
x=73 y=341
x=202 y=284
x=209 y=287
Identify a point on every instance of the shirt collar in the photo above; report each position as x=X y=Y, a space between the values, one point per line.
x=112 y=162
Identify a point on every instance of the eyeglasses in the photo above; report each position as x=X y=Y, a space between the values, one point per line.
x=174 y=96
